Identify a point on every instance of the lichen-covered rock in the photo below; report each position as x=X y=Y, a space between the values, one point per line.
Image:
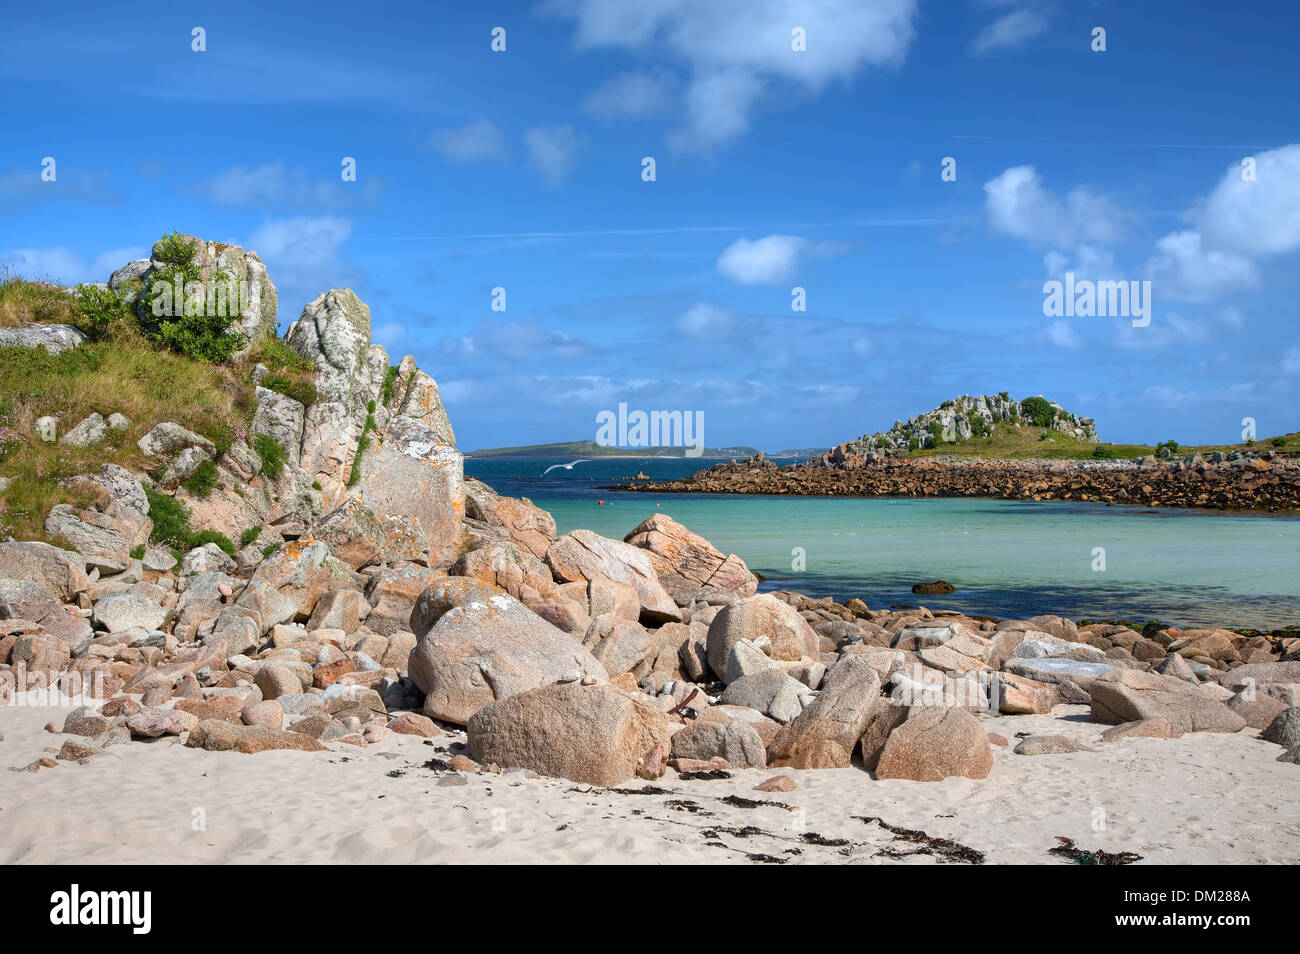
x=415 y=395
x=481 y=650
x=596 y=735
x=168 y=438
x=88 y=431
x=525 y=524
x=63 y=572
x=53 y=338
x=360 y=537
x=582 y=555
x=687 y=563
x=408 y=472
x=287 y=585
x=935 y=743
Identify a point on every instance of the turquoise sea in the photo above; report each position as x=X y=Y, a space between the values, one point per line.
x=1007 y=558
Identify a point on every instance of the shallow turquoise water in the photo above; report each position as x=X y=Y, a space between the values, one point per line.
x=1007 y=558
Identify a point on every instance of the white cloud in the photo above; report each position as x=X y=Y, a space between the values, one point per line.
x=632 y=94
x=554 y=151
x=706 y=321
x=1017 y=204
x=304 y=256
x=1260 y=217
x=469 y=143
x=731 y=47
x=764 y=261
x=1181 y=267
x=772 y=259
x=67 y=267
x=1010 y=30
x=274 y=184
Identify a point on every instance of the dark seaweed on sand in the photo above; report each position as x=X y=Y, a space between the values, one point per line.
x=1067 y=849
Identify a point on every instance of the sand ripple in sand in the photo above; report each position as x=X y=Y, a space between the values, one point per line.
x=1214 y=799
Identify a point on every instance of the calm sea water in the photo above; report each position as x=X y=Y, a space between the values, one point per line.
x=1007 y=558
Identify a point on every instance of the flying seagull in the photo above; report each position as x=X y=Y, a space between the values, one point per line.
x=565 y=466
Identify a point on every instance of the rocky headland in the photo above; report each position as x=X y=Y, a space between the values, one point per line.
x=380 y=601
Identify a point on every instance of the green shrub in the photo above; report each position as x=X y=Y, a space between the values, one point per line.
x=249 y=535
x=278 y=356
x=386 y=392
x=1278 y=442
x=1038 y=411
x=270 y=548
x=98 y=311
x=220 y=433
x=354 y=475
x=204 y=537
x=1102 y=452
x=272 y=453
x=315 y=485
x=203 y=480
x=1172 y=447
x=198 y=335
x=302 y=390
x=174 y=249
x=171 y=520
x=979 y=425
x=137 y=552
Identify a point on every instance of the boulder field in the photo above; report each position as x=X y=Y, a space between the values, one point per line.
x=383 y=592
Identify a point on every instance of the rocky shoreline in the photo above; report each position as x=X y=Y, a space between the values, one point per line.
x=383 y=600
x=1268 y=482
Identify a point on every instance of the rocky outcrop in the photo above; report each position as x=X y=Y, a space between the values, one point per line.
x=962 y=419
x=256 y=313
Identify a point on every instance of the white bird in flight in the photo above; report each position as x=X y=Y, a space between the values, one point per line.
x=565 y=466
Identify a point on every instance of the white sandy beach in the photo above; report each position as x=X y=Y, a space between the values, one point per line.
x=1203 y=798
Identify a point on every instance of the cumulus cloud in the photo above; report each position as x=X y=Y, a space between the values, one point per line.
x=1182 y=267
x=1017 y=204
x=731 y=48
x=469 y=143
x=1260 y=217
x=770 y=260
x=553 y=151
x=1010 y=30
x=65 y=266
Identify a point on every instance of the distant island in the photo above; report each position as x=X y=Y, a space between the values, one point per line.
x=994 y=446
x=590 y=449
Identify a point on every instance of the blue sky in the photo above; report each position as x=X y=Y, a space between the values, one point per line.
x=775 y=168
